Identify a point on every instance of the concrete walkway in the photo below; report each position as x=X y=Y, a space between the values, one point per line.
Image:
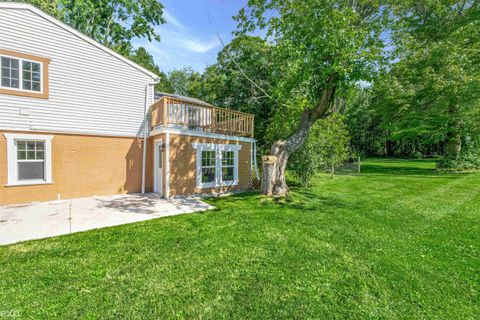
x=49 y=219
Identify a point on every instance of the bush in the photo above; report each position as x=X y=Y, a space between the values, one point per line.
x=468 y=159
x=417 y=155
x=326 y=147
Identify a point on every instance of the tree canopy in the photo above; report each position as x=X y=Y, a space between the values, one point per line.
x=318 y=47
x=113 y=23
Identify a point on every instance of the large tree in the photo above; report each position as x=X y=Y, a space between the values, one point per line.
x=114 y=23
x=142 y=57
x=238 y=79
x=317 y=48
x=432 y=91
x=185 y=82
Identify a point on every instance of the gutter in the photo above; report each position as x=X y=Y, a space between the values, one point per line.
x=145 y=130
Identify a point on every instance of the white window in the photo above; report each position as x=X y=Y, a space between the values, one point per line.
x=228 y=165
x=29 y=159
x=209 y=166
x=10 y=73
x=217 y=164
x=20 y=74
x=31 y=76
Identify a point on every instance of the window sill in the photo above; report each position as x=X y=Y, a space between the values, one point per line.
x=28 y=183
x=213 y=185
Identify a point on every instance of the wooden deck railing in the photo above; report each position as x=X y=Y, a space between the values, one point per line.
x=171 y=112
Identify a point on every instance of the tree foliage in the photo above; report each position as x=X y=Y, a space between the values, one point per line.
x=185 y=82
x=318 y=47
x=143 y=58
x=326 y=148
x=427 y=101
x=238 y=79
x=432 y=92
x=114 y=23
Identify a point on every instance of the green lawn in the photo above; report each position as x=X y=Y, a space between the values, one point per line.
x=398 y=241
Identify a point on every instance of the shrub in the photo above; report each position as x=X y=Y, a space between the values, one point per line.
x=468 y=159
x=326 y=148
x=417 y=155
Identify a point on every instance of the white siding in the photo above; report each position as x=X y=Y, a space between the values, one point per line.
x=91 y=91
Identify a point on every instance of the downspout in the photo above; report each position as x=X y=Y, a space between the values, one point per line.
x=255 y=160
x=145 y=130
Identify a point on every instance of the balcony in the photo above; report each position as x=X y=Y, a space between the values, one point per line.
x=192 y=114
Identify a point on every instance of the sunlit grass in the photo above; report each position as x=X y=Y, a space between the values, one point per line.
x=398 y=241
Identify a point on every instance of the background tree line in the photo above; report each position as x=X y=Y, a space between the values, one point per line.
x=330 y=78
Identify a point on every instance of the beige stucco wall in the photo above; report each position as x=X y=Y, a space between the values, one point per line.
x=81 y=166
x=84 y=166
x=183 y=165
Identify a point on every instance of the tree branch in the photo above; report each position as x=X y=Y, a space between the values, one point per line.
x=245 y=75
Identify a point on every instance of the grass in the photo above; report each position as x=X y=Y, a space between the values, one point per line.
x=399 y=241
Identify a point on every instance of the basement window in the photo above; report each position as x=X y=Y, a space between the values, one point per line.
x=217 y=164
x=29 y=160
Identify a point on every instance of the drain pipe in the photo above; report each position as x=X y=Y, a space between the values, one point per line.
x=145 y=129
x=257 y=175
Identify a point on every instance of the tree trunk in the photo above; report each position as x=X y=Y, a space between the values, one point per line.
x=269 y=168
x=275 y=165
x=453 y=145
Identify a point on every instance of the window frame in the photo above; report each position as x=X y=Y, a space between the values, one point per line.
x=219 y=149
x=12 y=159
x=19 y=70
x=228 y=165
x=20 y=74
x=214 y=166
x=20 y=91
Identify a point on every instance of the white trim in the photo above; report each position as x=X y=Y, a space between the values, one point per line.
x=167 y=165
x=24 y=6
x=200 y=134
x=12 y=158
x=75 y=132
x=218 y=148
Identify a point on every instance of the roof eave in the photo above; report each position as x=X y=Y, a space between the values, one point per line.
x=26 y=6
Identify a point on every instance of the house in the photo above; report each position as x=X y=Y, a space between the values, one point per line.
x=77 y=119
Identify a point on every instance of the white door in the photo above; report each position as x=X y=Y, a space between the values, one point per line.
x=158 y=167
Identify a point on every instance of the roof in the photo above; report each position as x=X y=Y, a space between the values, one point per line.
x=25 y=6
x=159 y=95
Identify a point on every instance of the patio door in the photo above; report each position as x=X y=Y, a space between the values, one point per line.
x=159 y=165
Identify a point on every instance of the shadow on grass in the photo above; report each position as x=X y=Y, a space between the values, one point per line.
x=306 y=199
x=399 y=170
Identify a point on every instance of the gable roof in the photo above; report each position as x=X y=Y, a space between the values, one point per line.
x=160 y=95
x=25 y=6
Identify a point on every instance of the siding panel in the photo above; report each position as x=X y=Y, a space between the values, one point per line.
x=91 y=91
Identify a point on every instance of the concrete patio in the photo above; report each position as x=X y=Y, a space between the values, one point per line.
x=48 y=219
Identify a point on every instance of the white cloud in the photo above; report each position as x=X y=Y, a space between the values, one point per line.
x=171 y=19
x=186 y=40
x=198 y=46
x=180 y=46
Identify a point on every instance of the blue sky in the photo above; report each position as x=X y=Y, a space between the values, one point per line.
x=189 y=36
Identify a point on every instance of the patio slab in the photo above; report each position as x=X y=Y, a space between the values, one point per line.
x=48 y=219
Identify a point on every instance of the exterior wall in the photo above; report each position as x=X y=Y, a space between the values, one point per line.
x=82 y=166
x=150 y=162
x=91 y=91
x=183 y=165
